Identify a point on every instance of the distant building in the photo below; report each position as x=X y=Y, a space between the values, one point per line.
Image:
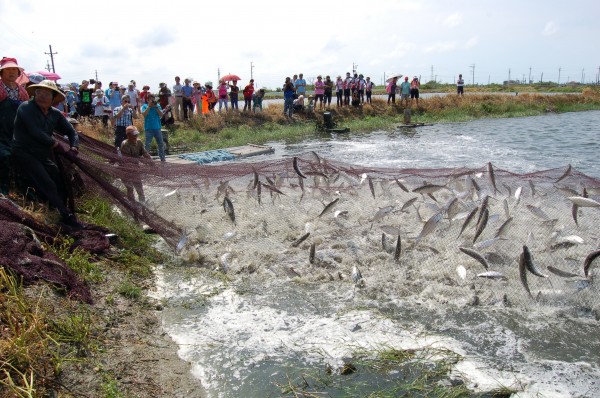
x=511 y=82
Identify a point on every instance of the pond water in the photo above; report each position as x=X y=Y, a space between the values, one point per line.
x=252 y=314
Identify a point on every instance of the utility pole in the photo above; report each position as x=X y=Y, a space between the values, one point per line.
x=218 y=74
x=542 y=78
x=96 y=74
x=354 y=68
x=251 y=69
x=508 y=75
x=489 y=79
x=473 y=67
x=582 y=76
x=51 y=58
x=47 y=66
x=529 y=82
x=432 y=73
x=559 y=68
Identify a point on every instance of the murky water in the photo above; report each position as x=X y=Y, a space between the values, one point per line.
x=249 y=310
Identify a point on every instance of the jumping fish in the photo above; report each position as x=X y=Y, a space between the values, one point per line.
x=461 y=271
x=484 y=206
x=182 y=242
x=382 y=212
x=486 y=243
x=170 y=193
x=401 y=185
x=451 y=208
x=340 y=213
x=504 y=227
x=468 y=220
x=311 y=255
x=584 y=202
x=228 y=207
x=508 y=189
x=491 y=176
x=565 y=174
x=329 y=206
x=518 y=195
x=408 y=203
x=428 y=188
x=271 y=187
x=258 y=191
x=481 y=225
x=566 y=191
x=371 y=187
x=225 y=261
x=255 y=179
x=532 y=188
x=297 y=168
x=476 y=256
x=301 y=239
x=561 y=273
x=536 y=211
x=587 y=263
x=391 y=230
x=506 y=210
x=523 y=274
x=357 y=276
x=398 y=250
x=528 y=259
x=430 y=225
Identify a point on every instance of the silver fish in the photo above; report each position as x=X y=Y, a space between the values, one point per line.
x=508 y=189
x=566 y=191
x=357 y=276
x=255 y=179
x=492 y=275
x=583 y=202
x=390 y=230
x=271 y=187
x=504 y=227
x=258 y=191
x=532 y=188
x=528 y=258
x=468 y=220
x=398 y=250
x=536 y=211
x=561 y=273
x=518 y=194
x=430 y=225
x=408 y=203
x=482 y=224
x=492 y=177
x=451 y=208
x=329 y=207
x=486 y=243
x=301 y=239
x=340 y=213
x=506 y=210
x=297 y=168
x=228 y=207
x=401 y=185
x=483 y=207
x=523 y=274
x=311 y=255
x=565 y=174
x=371 y=187
x=428 y=188
x=225 y=261
x=182 y=242
x=382 y=212
x=587 y=263
x=476 y=256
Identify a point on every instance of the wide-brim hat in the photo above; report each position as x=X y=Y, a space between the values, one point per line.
x=50 y=85
x=9 y=63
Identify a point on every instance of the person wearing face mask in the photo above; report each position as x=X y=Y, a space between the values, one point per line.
x=12 y=95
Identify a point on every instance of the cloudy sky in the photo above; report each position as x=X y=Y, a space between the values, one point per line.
x=153 y=41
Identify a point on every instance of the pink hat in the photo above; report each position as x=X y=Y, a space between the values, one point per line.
x=9 y=63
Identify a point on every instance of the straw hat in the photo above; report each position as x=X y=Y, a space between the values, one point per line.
x=50 y=85
x=132 y=130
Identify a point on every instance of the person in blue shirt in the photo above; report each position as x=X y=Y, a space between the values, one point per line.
x=186 y=101
x=300 y=85
x=288 y=97
x=152 y=113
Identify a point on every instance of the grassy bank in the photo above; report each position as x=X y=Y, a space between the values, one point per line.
x=220 y=130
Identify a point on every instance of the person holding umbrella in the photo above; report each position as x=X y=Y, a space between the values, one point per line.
x=12 y=95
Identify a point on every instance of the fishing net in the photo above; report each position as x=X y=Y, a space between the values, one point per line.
x=313 y=219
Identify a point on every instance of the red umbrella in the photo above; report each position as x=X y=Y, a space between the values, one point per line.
x=231 y=77
x=49 y=75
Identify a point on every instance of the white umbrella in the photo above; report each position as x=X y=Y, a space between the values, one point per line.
x=394 y=75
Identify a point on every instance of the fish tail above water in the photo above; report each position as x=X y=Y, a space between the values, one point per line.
x=587 y=263
x=492 y=176
x=297 y=168
x=565 y=174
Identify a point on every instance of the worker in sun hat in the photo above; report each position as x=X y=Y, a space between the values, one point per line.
x=33 y=142
x=132 y=150
x=12 y=95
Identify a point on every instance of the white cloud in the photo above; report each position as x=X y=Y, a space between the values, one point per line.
x=453 y=20
x=550 y=28
x=472 y=42
x=441 y=47
x=401 y=49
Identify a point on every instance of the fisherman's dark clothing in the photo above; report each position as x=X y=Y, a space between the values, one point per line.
x=32 y=151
